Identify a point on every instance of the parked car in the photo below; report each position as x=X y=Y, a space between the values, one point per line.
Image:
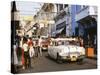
x=65 y=49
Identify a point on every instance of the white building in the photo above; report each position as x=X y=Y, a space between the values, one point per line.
x=45 y=17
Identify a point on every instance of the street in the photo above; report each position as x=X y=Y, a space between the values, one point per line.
x=46 y=64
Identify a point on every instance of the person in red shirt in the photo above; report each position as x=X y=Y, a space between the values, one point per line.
x=30 y=42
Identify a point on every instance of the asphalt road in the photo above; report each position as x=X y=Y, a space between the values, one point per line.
x=46 y=64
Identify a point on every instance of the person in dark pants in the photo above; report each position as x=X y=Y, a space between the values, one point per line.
x=31 y=51
x=95 y=44
x=26 y=53
x=31 y=54
x=36 y=48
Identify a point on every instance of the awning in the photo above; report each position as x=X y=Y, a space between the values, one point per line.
x=54 y=33
x=59 y=31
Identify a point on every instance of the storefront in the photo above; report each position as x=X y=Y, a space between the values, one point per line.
x=88 y=30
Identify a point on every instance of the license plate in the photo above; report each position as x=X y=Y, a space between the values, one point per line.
x=73 y=59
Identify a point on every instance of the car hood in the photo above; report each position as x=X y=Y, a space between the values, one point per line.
x=70 y=48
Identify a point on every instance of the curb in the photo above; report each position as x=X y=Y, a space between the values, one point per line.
x=95 y=58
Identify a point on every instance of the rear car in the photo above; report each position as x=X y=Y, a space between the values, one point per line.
x=44 y=43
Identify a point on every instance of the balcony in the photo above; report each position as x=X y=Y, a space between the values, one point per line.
x=85 y=12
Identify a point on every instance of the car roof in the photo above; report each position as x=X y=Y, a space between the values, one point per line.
x=64 y=39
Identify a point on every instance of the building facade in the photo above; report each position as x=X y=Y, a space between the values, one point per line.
x=86 y=18
x=63 y=21
x=45 y=19
x=73 y=11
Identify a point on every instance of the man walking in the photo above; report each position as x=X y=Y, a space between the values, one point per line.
x=39 y=46
x=26 y=54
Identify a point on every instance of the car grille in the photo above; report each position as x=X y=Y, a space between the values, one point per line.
x=70 y=53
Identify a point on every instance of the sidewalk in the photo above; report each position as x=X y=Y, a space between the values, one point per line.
x=95 y=57
x=91 y=61
x=91 y=53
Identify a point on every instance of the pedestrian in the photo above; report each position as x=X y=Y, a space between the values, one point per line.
x=40 y=46
x=95 y=44
x=26 y=53
x=30 y=42
x=22 y=57
x=23 y=60
x=14 y=60
x=36 y=48
x=81 y=41
x=31 y=54
x=21 y=42
x=20 y=53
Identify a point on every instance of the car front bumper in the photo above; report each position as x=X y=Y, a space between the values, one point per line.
x=73 y=58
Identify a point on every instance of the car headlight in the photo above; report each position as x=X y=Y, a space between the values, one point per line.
x=82 y=52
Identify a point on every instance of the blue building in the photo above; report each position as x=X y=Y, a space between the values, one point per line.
x=84 y=22
x=86 y=19
x=62 y=21
x=73 y=11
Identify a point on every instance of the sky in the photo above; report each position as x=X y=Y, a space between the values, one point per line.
x=28 y=8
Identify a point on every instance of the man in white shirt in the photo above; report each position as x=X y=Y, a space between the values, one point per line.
x=25 y=47
x=26 y=54
x=39 y=44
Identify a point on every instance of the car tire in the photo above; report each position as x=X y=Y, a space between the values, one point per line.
x=58 y=59
x=48 y=55
x=80 y=61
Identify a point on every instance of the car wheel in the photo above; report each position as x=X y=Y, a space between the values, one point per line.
x=58 y=59
x=48 y=55
x=80 y=61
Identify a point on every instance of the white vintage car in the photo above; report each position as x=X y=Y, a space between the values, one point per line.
x=65 y=49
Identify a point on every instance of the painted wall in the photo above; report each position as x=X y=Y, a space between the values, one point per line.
x=74 y=10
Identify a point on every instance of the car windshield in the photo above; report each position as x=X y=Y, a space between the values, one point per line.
x=58 y=43
x=72 y=43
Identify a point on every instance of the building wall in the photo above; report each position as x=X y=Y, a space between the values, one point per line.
x=74 y=10
x=63 y=21
x=87 y=13
x=49 y=11
x=87 y=23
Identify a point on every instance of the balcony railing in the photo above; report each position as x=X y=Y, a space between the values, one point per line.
x=87 y=11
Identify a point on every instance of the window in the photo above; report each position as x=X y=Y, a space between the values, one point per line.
x=60 y=7
x=66 y=5
x=82 y=7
